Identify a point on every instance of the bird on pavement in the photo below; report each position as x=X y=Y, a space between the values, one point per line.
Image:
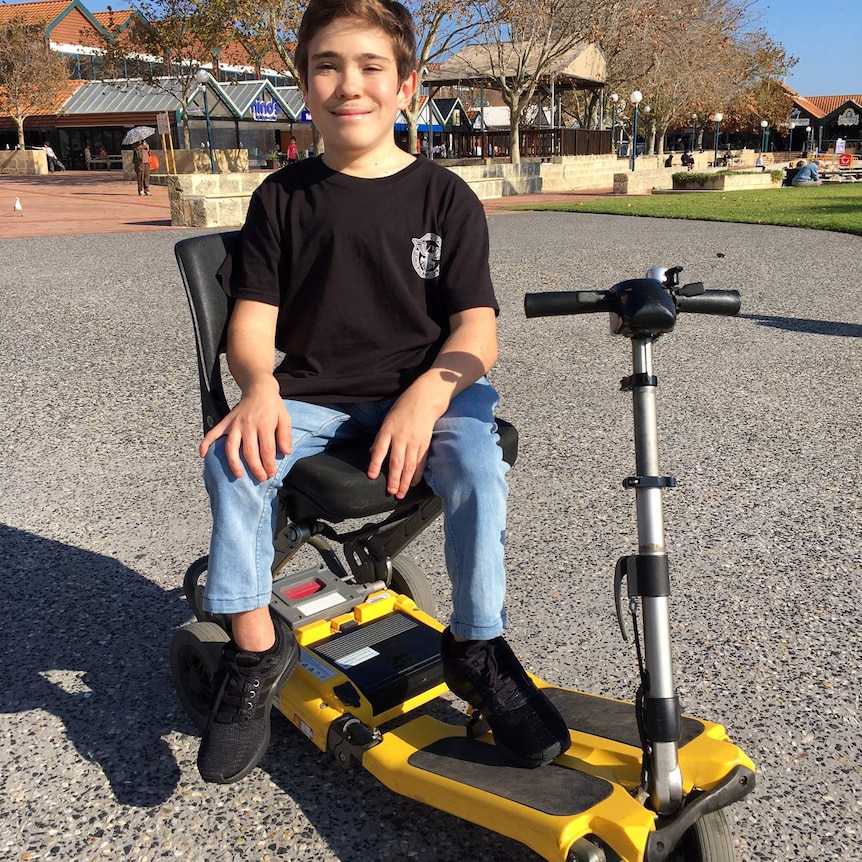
x=17 y=207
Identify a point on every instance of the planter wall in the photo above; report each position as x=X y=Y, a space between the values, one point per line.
x=23 y=162
x=723 y=182
x=194 y=162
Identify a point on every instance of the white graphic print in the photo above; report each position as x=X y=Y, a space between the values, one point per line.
x=426 y=255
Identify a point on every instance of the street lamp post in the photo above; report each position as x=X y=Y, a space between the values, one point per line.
x=693 y=130
x=718 y=118
x=201 y=76
x=614 y=99
x=635 y=98
x=647 y=129
x=764 y=125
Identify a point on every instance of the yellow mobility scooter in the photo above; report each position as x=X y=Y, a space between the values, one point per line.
x=640 y=783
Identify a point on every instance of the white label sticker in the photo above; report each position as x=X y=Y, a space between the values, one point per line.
x=314 y=606
x=358 y=657
x=315 y=667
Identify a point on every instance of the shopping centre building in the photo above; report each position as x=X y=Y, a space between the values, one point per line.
x=251 y=102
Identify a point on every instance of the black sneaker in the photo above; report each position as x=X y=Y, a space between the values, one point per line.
x=527 y=727
x=247 y=684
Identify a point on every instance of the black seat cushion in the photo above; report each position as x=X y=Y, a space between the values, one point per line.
x=333 y=486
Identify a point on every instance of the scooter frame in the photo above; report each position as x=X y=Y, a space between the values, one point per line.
x=638 y=778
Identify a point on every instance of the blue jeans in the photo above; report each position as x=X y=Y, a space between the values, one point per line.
x=465 y=468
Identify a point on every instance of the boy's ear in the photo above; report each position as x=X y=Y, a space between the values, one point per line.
x=407 y=89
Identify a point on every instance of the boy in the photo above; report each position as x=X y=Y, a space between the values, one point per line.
x=368 y=269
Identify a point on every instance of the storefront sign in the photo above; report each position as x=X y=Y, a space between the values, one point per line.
x=848 y=118
x=264 y=112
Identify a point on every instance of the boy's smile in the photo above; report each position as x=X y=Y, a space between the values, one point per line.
x=353 y=94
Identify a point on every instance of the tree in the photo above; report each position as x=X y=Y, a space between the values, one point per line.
x=270 y=27
x=442 y=27
x=693 y=57
x=177 y=37
x=528 y=39
x=32 y=76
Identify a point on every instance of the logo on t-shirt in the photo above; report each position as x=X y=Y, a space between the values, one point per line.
x=426 y=255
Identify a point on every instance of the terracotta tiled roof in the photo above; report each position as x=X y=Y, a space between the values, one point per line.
x=118 y=16
x=809 y=107
x=828 y=104
x=818 y=107
x=61 y=96
x=34 y=13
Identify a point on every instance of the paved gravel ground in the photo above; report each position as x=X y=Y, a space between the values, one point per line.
x=102 y=509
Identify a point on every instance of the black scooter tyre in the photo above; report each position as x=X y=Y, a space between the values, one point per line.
x=708 y=840
x=196 y=650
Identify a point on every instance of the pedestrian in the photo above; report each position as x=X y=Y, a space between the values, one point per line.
x=141 y=164
x=88 y=157
x=758 y=162
x=395 y=347
x=54 y=164
x=292 y=151
x=807 y=174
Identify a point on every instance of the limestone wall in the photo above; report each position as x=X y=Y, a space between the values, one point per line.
x=194 y=161
x=211 y=200
x=23 y=162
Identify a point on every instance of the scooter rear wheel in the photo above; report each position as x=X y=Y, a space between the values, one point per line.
x=409 y=579
x=196 y=650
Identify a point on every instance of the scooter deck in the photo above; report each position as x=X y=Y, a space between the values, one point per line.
x=381 y=661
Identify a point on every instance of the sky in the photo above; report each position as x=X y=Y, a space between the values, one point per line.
x=824 y=37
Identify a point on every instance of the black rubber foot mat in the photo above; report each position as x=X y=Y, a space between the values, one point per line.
x=551 y=789
x=609 y=719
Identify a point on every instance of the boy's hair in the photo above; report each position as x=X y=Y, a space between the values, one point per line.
x=387 y=15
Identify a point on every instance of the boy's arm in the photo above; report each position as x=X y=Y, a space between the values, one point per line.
x=260 y=422
x=467 y=354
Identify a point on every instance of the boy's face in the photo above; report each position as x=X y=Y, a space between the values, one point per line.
x=352 y=89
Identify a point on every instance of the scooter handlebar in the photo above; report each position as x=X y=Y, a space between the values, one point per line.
x=555 y=303
x=566 y=302
x=727 y=302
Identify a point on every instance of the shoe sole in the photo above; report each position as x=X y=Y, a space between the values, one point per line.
x=273 y=694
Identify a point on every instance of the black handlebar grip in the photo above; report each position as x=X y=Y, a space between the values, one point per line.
x=558 y=302
x=727 y=302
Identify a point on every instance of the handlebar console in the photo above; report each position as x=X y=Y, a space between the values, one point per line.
x=638 y=307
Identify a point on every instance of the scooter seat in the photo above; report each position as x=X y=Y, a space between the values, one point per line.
x=333 y=486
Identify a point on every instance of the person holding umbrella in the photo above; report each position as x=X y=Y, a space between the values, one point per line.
x=141 y=162
x=141 y=155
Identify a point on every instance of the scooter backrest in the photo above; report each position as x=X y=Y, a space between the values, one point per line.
x=199 y=259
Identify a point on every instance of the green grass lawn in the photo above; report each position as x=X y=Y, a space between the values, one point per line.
x=832 y=207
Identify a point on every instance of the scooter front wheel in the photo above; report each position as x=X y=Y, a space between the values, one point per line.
x=708 y=840
x=196 y=650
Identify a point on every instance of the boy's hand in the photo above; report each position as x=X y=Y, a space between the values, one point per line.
x=405 y=436
x=257 y=428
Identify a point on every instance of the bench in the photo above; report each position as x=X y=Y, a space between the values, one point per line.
x=841 y=175
x=107 y=162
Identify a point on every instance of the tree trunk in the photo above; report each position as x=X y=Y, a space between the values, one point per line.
x=317 y=141
x=19 y=122
x=515 y=143
x=187 y=138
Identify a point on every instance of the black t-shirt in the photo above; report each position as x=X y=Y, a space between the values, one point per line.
x=365 y=272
